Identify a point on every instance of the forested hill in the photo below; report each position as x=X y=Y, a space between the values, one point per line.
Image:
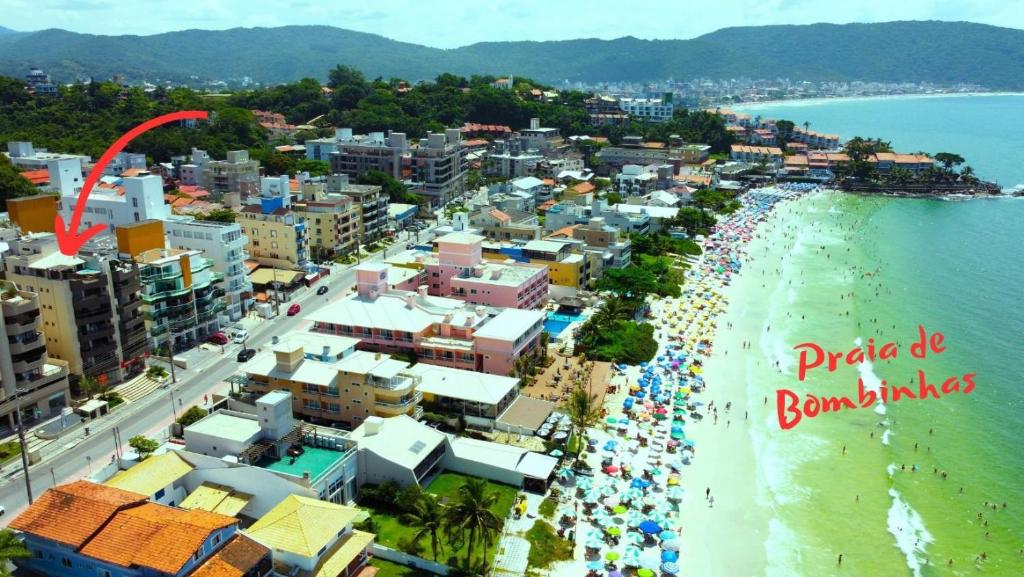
x=940 y=52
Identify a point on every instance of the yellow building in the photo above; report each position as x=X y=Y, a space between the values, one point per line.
x=135 y=239
x=33 y=213
x=333 y=222
x=277 y=237
x=565 y=267
x=330 y=380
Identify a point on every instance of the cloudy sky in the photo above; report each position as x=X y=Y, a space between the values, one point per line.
x=451 y=23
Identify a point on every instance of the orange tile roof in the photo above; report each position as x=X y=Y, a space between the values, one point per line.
x=154 y=536
x=564 y=231
x=37 y=177
x=234 y=559
x=500 y=215
x=546 y=205
x=654 y=145
x=70 y=514
x=181 y=201
x=583 y=188
x=133 y=172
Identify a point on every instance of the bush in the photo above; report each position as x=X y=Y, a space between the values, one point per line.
x=192 y=415
x=113 y=399
x=156 y=372
x=383 y=496
x=410 y=545
x=546 y=547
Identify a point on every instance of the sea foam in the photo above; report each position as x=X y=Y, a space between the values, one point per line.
x=871 y=381
x=908 y=529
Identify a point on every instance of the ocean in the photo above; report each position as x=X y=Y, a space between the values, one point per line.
x=906 y=488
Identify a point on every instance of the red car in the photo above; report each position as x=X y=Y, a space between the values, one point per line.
x=218 y=339
x=294 y=309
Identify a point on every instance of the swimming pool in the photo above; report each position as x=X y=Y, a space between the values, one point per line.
x=555 y=323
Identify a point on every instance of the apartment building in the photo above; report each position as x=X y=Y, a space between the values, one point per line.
x=181 y=296
x=458 y=270
x=25 y=156
x=372 y=204
x=334 y=221
x=650 y=109
x=31 y=382
x=277 y=235
x=614 y=247
x=81 y=317
x=135 y=199
x=436 y=330
x=537 y=137
x=566 y=267
x=511 y=158
x=439 y=166
x=353 y=155
x=635 y=180
x=237 y=173
x=225 y=245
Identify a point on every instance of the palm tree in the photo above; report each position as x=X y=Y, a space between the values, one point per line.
x=10 y=548
x=427 y=515
x=470 y=517
x=583 y=411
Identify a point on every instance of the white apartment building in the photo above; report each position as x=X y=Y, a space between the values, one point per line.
x=652 y=109
x=142 y=197
x=224 y=244
x=25 y=156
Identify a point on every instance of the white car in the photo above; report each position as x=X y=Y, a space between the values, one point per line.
x=240 y=335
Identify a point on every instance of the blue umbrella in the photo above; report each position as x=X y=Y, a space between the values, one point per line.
x=650 y=527
x=667 y=535
x=595 y=565
x=669 y=556
x=670 y=568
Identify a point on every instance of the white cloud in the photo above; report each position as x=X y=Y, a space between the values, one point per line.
x=451 y=23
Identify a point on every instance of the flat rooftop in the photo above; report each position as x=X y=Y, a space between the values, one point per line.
x=314 y=460
x=502 y=274
x=226 y=426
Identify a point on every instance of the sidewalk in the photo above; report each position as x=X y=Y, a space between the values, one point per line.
x=512 y=556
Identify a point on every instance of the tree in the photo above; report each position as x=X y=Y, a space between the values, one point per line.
x=143 y=445
x=427 y=515
x=613 y=198
x=89 y=386
x=218 y=215
x=192 y=415
x=949 y=160
x=694 y=221
x=156 y=372
x=11 y=547
x=631 y=283
x=470 y=517
x=584 y=412
x=12 y=184
x=396 y=191
x=967 y=174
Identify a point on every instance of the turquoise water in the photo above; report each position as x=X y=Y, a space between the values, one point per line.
x=988 y=131
x=869 y=483
x=555 y=323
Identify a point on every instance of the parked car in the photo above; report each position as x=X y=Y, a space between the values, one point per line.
x=246 y=354
x=294 y=309
x=322 y=290
x=240 y=335
x=218 y=339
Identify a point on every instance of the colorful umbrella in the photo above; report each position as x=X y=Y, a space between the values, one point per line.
x=675 y=492
x=614 y=531
x=644 y=572
x=584 y=483
x=670 y=545
x=619 y=509
x=611 y=555
x=667 y=535
x=669 y=556
x=594 y=544
x=595 y=565
x=650 y=527
x=670 y=568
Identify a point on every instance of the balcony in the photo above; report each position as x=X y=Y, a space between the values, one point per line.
x=25 y=343
x=401 y=408
x=152 y=275
x=159 y=296
x=395 y=385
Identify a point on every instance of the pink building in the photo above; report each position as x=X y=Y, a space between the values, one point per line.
x=459 y=270
x=437 y=330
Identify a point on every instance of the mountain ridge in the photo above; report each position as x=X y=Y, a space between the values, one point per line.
x=917 y=51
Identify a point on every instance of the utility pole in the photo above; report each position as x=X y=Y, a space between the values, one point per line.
x=174 y=410
x=170 y=354
x=24 y=446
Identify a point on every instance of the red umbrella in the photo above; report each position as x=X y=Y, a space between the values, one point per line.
x=611 y=469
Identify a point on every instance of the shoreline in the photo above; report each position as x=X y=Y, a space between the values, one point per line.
x=798 y=102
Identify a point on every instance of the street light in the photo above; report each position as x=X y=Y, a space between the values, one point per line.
x=21 y=439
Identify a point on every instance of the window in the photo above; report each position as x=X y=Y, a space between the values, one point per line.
x=64 y=561
x=159 y=495
x=103 y=573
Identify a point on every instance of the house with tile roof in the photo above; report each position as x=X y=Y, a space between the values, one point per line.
x=312 y=538
x=84 y=529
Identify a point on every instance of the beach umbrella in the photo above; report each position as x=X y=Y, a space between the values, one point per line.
x=614 y=531
x=592 y=496
x=567 y=512
x=611 y=420
x=619 y=509
x=609 y=490
x=615 y=573
x=595 y=535
x=606 y=520
x=584 y=483
x=670 y=568
x=669 y=556
x=566 y=473
x=651 y=501
x=675 y=492
x=661 y=520
x=655 y=471
x=611 y=555
x=595 y=565
x=634 y=518
x=592 y=442
x=558 y=453
x=667 y=535
x=670 y=545
x=595 y=544
x=650 y=527
x=629 y=561
x=644 y=572
x=611 y=501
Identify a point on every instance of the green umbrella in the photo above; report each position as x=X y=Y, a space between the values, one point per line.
x=619 y=509
x=660 y=416
x=615 y=531
x=611 y=420
x=644 y=572
x=611 y=555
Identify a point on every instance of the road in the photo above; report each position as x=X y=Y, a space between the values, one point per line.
x=67 y=460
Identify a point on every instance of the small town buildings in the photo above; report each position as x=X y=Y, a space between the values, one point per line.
x=136 y=199
x=772 y=155
x=25 y=156
x=479 y=398
x=277 y=235
x=650 y=109
x=235 y=174
x=224 y=244
x=85 y=529
x=334 y=221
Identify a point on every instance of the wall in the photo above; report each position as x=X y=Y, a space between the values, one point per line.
x=373 y=469
x=266 y=488
x=483 y=470
x=408 y=560
x=33 y=213
x=135 y=239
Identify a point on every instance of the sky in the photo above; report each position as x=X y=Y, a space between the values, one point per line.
x=453 y=23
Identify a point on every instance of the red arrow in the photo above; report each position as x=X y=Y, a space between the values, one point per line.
x=68 y=238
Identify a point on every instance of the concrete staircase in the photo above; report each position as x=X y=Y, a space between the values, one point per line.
x=137 y=388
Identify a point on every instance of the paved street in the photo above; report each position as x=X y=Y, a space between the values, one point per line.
x=69 y=459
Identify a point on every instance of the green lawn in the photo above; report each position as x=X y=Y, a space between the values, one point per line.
x=391 y=531
x=546 y=546
x=389 y=569
x=9 y=451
